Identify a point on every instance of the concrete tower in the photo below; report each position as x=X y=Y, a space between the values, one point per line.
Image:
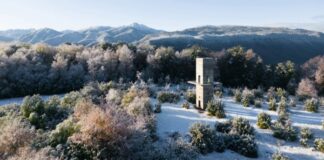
x=204 y=81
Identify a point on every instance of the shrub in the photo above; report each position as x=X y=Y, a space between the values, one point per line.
x=237 y=95
x=62 y=132
x=305 y=136
x=292 y=102
x=140 y=106
x=280 y=92
x=311 y=105
x=157 y=108
x=216 y=108
x=244 y=145
x=202 y=136
x=282 y=106
x=258 y=93
x=219 y=94
x=70 y=100
x=258 y=103
x=271 y=94
x=241 y=126
x=306 y=89
x=319 y=144
x=114 y=96
x=272 y=105
x=224 y=127
x=191 y=97
x=186 y=105
x=285 y=132
x=168 y=97
x=32 y=104
x=245 y=101
x=264 y=121
x=15 y=134
x=279 y=156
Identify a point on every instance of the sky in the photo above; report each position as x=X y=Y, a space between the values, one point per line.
x=169 y=15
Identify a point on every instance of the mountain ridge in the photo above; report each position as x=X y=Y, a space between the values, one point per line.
x=273 y=44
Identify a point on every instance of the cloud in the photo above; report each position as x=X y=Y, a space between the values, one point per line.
x=314 y=26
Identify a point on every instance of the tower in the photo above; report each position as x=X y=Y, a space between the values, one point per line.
x=204 y=81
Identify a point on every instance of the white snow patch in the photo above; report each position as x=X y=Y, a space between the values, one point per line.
x=174 y=118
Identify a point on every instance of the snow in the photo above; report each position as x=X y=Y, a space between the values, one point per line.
x=20 y=99
x=174 y=118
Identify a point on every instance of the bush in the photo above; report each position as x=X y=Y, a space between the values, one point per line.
x=306 y=89
x=264 y=121
x=282 y=106
x=157 y=108
x=191 y=97
x=311 y=105
x=140 y=106
x=219 y=94
x=224 y=127
x=15 y=134
x=258 y=93
x=280 y=92
x=272 y=105
x=247 y=97
x=285 y=132
x=271 y=94
x=237 y=95
x=319 y=144
x=241 y=126
x=245 y=101
x=244 y=145
x=32 y=104
x=279 y=156
x=168 y=97
x=305 y=136
x=258 y=103
x=202 y=137
x=71 y=99
x=216 y=108
x=62 y=132
x=186 y=105
x=292 y=102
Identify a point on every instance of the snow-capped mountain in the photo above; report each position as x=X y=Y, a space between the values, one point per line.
x=273 y=44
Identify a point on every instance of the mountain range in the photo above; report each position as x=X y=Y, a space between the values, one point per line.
x=272 y=44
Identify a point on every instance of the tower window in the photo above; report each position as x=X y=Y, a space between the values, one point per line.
x=198 y=78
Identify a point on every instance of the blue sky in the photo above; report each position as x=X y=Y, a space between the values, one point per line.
x=162 y=14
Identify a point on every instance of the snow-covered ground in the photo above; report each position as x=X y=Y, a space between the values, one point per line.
x=174 y=118
x=20 y=99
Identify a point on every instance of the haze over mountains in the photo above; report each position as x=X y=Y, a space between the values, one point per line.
x=273 y=44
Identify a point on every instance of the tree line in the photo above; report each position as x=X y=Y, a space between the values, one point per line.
x=27 y=69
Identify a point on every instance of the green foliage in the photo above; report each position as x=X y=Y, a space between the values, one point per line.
x=286 y=132
x=42 y=114
x=157 y=108
x=264 y=121
x=245 y=101
x=186 y=105
x=258 y=103
x=216 y=108
x=272 y=105
x=32 y=104
x=244 y=145
x=62 y=132
x=319 y=144
x=168 y=97
x=219 y=94
x=205 y=138
x=305 y=135
x=241 y=126
x=279 y=156
x=311 y=105
x=70 y=100
x=280 y=92
x=191 y=97
x=237 y=95
x=282 y=105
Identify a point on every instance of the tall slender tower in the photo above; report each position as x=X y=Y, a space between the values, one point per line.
x=204 y=81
